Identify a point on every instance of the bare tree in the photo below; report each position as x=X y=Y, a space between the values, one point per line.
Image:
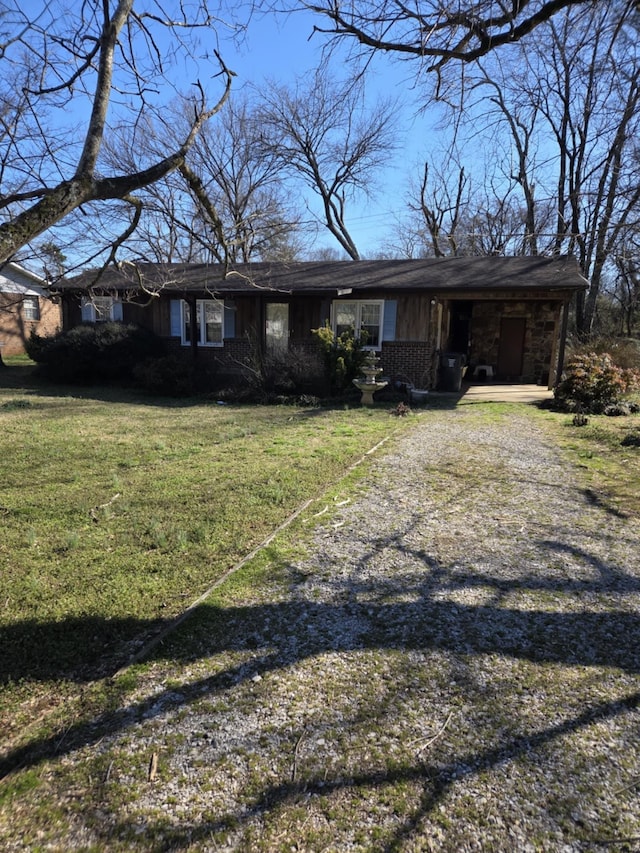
x=626 y=286
x=241 y=180
x=227 y=203
x=520 y=120
x=439 y=207
x=583 y=82
x=437 y=31
x=451 y=216
x=104 y=64
x=321 y=132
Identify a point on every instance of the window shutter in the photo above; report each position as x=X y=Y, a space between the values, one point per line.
x=88 y=312
x=175 y=323
x=389 y=322
x=117 y=311
x=229 y=322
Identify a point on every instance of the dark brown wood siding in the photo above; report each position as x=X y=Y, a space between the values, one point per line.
x=412 y=320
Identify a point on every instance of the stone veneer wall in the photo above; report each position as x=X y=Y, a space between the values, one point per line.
x=539 y=335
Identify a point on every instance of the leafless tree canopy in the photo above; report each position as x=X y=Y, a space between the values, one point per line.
x=71 y=77
x=437 y=31
x=321 y=132
x=547 y=135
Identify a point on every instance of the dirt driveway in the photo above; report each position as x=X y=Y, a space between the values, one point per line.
x=449 y=661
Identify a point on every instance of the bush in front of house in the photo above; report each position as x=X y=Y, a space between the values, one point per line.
x=291 y=372
x=279 y=375
x=173 y=375
x=104 y=352
x=594 y=383
x=344 y=357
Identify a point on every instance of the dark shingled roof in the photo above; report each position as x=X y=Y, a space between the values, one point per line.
x=315 y=277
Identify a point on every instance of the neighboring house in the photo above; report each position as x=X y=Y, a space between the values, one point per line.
x=25 y=306
x=506 y=316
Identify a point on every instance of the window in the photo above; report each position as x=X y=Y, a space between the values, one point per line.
x=361 y=317
x=101 y=309
x=277 y=327
x=31 y=308
x=209 y=314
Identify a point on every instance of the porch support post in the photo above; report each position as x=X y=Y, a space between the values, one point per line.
x=562 y=344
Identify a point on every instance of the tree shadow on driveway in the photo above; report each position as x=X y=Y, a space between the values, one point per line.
x=421 y=614
x=590 y=619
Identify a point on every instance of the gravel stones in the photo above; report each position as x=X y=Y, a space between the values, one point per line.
x=452 y=666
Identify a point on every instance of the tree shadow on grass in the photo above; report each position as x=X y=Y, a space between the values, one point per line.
x=425 y=617
x=592 y=620
x=376 y=613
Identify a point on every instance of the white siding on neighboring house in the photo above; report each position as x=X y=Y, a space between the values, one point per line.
x=25 y=307
x=15 y=279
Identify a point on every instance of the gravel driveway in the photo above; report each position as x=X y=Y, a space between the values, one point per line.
x=450 y=663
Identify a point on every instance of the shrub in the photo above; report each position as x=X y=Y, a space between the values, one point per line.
x=624 y=352
x=619 y=409
x=343 y=355
x=631 y=440
x=592 y=381
x=103 y=352
x=175 y=375
x=269 y=376
x=401 y=410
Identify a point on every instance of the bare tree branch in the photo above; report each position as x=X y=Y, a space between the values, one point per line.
x=437 y=30
x=60 y=57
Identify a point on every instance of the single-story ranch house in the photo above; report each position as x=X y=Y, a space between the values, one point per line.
x=507 y=317
x=25 y=306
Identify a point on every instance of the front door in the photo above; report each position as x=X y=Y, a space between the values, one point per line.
x=511 y=348
x=277 y=327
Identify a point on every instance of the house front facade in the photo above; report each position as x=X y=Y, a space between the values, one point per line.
x=505 y=318
x=25 y=306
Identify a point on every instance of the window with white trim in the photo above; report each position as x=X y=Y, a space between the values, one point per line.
x=31 y=308
x=101 y=309
x=277 y=327
x=360 y=316
x=210 y=320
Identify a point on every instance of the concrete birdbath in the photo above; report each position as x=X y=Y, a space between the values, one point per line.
x=370 y=383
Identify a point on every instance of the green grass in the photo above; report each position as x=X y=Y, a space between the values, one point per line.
x=117 y=512
x=611 y=469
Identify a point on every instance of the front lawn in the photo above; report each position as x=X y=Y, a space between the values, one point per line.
x=119 y=511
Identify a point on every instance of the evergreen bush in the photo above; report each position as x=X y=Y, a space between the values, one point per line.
x=344 y=357
x=173 y=375
x=93 y=353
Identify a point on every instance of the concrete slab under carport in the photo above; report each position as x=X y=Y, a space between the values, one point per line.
x=496 y=392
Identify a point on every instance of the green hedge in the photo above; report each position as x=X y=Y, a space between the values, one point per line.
x=104 y=352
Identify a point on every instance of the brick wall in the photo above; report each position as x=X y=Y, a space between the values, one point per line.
x=227 y=360
x=15 y=329
x=412 y=360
